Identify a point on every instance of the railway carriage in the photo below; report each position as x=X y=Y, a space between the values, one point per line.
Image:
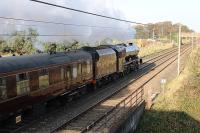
x=26 y=80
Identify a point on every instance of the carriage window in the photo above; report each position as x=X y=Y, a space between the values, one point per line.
x=43 y=79
x=3 y=93
x=62 y=73
x=68 y=72
x=88 y=66
x=22 y=77
x=84 y=68
x=79 y=69
x=22 y=83
x=74 y=71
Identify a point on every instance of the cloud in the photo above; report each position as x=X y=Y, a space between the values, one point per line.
x=30 y=10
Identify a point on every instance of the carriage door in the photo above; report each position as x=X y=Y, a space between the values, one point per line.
x=79 y=72
x=74 y=73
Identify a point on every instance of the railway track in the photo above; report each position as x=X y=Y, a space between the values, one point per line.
x=69 y=117
x=90 y=118
x=130 y=103
x=157 y=53
x=50 y=117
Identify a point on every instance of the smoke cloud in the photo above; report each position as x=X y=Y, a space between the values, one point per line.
x=30 y=10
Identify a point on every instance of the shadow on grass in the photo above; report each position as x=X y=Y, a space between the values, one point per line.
x=166 y=122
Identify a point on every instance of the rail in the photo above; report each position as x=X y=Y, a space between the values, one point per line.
x=110 y=111
x=114 y=112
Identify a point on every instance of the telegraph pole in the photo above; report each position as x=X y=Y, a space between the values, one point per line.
x=153 y=36
x=179 y=49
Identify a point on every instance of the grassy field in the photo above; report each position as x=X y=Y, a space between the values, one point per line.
x=147 y=47
x=144 y=51
x=178 y=109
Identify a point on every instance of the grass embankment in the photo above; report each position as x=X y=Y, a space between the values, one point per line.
x=178 y=109
x=144 y=51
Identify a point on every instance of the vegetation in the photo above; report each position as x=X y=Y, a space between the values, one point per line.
x=161 y=30
x=24 y=42
x=177 y=110
x=145 y=51
x=20 y=42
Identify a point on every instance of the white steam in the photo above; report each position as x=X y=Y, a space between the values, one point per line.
x=30 y=10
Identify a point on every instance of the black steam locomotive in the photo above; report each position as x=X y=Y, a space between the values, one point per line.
x=30 y=79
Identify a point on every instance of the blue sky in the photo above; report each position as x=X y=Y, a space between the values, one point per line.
x=184 y=11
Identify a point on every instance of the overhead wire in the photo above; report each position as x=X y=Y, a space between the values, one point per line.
x=43 y=35
x=55 y=23
x=61 y=23
x=86 y=12
x=11 y=18
x=47 y=35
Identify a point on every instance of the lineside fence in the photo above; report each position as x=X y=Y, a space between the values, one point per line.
x=129 y=104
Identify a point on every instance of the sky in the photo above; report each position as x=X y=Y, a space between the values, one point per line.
x=143 y=11
x=151 y=11
x=29 y=10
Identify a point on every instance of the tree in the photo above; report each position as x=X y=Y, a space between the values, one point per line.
x=23 y=41
x=162 y=30
x=2 y=44
x=141 y=32
x=53 y=47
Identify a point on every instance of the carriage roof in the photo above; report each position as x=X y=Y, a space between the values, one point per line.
x=16 y=63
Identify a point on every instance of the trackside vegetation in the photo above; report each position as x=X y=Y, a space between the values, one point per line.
x=157 y=47
x=178 y=110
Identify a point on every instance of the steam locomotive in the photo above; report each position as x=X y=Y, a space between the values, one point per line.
x=30 y=79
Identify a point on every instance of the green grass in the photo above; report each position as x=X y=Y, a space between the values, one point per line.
x=178 y=110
